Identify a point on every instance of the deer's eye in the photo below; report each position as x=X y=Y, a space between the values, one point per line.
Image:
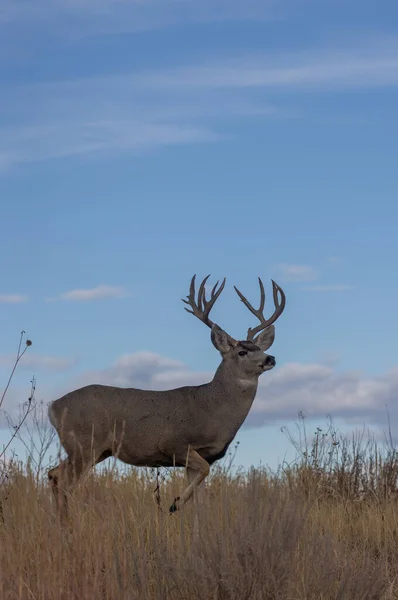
x=242 y=353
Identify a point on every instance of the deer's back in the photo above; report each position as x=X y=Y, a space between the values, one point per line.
x=130 y=417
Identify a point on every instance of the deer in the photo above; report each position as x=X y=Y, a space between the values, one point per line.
x=190 y=426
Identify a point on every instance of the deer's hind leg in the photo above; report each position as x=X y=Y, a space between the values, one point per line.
x=67 y=474
x=63 y=478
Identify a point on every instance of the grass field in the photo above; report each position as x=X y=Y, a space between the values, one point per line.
x=322 y=528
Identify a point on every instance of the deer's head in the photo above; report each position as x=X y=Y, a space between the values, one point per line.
x=248 y=356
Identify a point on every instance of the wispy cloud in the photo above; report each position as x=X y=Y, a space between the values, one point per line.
x=364 y=66
x=329 y=287
x=330 y=359
x=80 y=17
x=92 y=137
x=39 y=362
x=12 y=298
x=296 y=272
x=96 y=293
x=145 y=110
x=302 y=273
x=335 y=260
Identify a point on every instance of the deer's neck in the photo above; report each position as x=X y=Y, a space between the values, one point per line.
x=234 y=394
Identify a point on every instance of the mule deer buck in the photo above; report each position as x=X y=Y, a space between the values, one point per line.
x=191 y=426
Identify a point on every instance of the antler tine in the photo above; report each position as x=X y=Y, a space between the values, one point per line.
x=201 y=307
x=214 y=294
x=202 y=294
x=262 y=292
x=279 y=307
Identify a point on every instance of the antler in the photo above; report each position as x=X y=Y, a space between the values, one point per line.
x=202 y=307
x=279 y=307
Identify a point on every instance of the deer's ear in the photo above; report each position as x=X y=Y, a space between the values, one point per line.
x=265 y=339
x=221 y=339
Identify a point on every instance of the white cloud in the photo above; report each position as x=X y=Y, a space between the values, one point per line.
x=318 y=390
x=295 y=272
x=329 y=287
x=145 y=370
x=12 y=298
x=96 y=293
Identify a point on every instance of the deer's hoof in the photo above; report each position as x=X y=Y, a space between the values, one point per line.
x=174 y=507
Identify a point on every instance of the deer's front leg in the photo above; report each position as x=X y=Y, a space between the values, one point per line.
x=198 y=469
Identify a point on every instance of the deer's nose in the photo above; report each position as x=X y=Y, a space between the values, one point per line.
x=270 y=360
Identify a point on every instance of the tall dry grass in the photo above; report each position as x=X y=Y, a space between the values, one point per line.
x=322 y=528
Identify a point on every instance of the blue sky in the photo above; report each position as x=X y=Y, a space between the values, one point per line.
x=142 y=142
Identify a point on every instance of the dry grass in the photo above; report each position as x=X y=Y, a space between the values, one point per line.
x=324 y=528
